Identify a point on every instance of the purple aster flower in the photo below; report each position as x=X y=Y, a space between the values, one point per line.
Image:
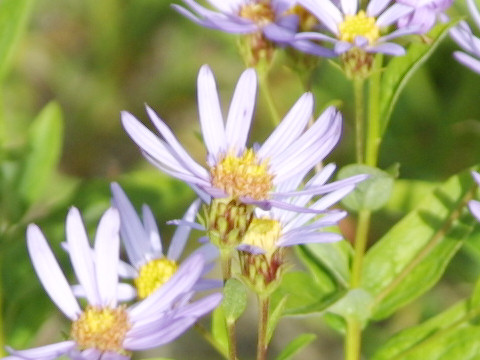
x=277 y=228
x=273 y=18
x=463 y=36
x=474 y=205
x=250 y=175
x=105 y=329
x=425 y=13
x=354 y=28
x=149 y=267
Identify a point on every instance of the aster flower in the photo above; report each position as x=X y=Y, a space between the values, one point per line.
x=277 y=228
x=272 y=18
x=234 y=171
x=105 y=329
x=355 y=28
x=262 y=254
x=463 y=36
x=149 y=266
x=425 y=14
x=474 y=205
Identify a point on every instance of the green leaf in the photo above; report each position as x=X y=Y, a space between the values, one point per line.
x=45 y=144
x=412 y=256
x=372 y=193
x=304 y=295
x=296 y=345
x=275 y=316
x=13 y=18
x=401 y=68
x=449 y=335
x=357 y=303
x=234 y=300
x=407 y=194
x=328 y=262
x=219 y=328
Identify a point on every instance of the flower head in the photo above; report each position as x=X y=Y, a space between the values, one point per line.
x=277 y=228
x=104 y=328
x=262 y=254
x=250 y=175
x=274 y=19
x=357 y=28
x=425 y=13
x=149 y=266
x=463 y=36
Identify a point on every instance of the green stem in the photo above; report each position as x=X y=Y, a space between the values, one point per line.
x=262 y=345
x=226 y=261
x=374 y=137
x=361 y=237
x=358 y=85
x=211 y=340
x=353 y=340
x=437 y=237
x=354 y=329
x=267 y=95
x=232 y=341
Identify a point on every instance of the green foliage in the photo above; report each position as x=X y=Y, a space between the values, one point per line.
x=275 y=316
x=450 y=335
x=219 y=328
x=372 y=193
x=13 y=18
x=295 y=346
x=401 y=68
x=44 y=150
x=304 y=295
x=411 y=257
x=234 y=300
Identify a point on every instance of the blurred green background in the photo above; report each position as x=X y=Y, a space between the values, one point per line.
x=97 y=58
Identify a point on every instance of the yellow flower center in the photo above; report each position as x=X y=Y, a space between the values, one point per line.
x=242 y=176
x=260 y=12
x=263 y=233
x=154 y=274
x=103 y=329
x=359 y=25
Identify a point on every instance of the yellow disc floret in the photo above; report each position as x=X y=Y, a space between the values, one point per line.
x=264 y=234
x=242 y=176
x=307 y=21
x=154 y=274
x=359 y=25
x=260 y=12
x=103 y=329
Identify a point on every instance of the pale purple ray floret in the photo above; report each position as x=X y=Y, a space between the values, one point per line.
x=143 y=243
x=273 y=18
x=232 y=168
x=474 y=205
x=352 y=27
x=470 y=44
x=426 y=13
x=303 y=228
x=105 y=329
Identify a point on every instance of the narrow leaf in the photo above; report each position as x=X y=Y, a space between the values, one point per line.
x=219 y=328
x=13 y=18
x=401 y=68
x=45 y=143
x=412 y=256
x=275 y=317
x=450 y=335
x=296 y=345
x=234 y=300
